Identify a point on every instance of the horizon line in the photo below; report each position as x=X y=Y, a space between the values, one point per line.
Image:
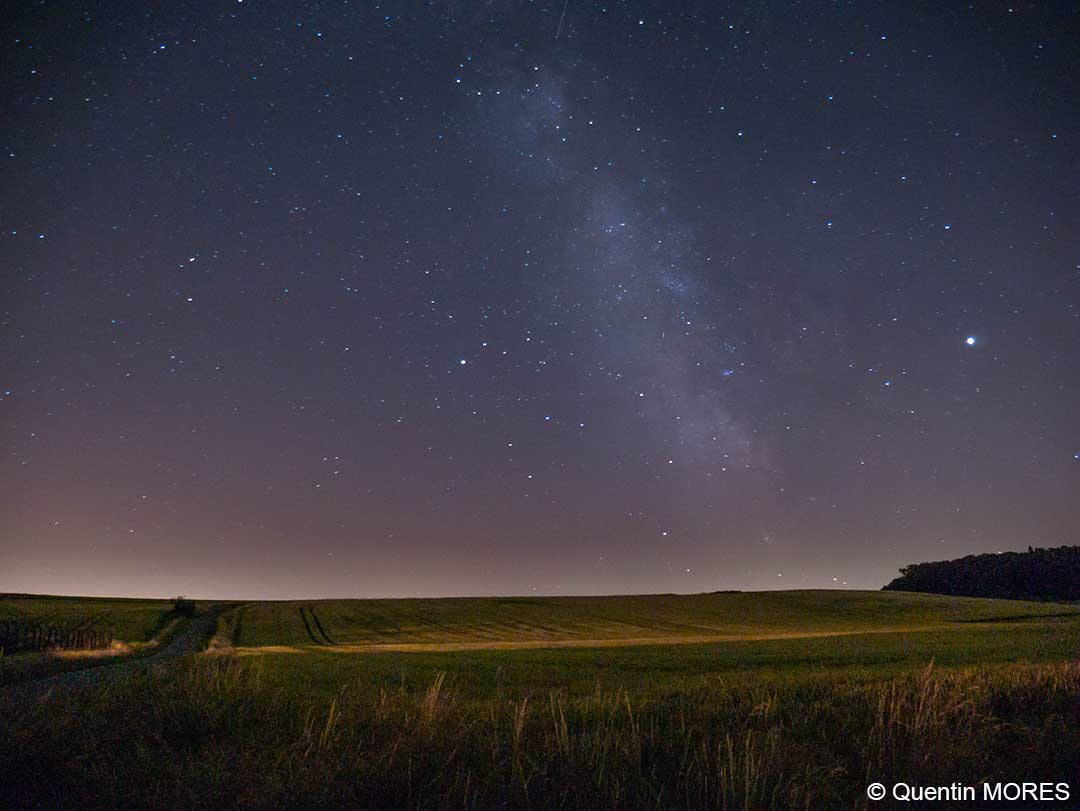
x=17 y=594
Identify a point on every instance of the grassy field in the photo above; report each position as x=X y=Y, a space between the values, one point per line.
x=126 y=620
x=766 y=700
x=136 y=627
x=592 y=621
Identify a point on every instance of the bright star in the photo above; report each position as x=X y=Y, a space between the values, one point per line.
x=970 y=340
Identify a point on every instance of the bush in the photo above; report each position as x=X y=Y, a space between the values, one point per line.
x=183 y=607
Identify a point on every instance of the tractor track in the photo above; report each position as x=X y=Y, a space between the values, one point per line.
x=318 y=625
x=191 y=640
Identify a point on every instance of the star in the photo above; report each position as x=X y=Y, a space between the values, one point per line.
x=691 y=296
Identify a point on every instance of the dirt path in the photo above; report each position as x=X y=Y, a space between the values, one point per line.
x=191 y=640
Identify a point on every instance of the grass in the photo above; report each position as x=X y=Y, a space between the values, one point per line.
x=214 y=732
x=137 y=627
x=659 y=669
x=230 y=627
x=969 y=691
x=588 y=620
x=127 y=620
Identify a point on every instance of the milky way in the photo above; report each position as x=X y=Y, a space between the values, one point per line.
x=371 y=300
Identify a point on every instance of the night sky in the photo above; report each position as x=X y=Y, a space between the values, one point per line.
x=354 y=299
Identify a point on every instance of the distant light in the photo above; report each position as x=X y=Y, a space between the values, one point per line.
x=970 y=340
x=948 y=227
x=462 y=361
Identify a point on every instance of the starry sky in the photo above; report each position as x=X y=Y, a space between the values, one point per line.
x=374 y=299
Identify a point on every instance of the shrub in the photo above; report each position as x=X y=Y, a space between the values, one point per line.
x=183 y=607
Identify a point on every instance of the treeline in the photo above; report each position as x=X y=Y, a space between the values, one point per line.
x=1038 y=574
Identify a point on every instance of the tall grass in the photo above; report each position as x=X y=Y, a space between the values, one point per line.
x=214 y=733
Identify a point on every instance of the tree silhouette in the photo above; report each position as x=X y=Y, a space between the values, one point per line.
x=1038 y=574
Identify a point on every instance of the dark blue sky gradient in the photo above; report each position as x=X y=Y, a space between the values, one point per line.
x=344 y=299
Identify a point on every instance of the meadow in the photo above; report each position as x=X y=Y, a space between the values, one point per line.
x=136 y=627
x=588 y=620
x=755 y=700
x=129 y=620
